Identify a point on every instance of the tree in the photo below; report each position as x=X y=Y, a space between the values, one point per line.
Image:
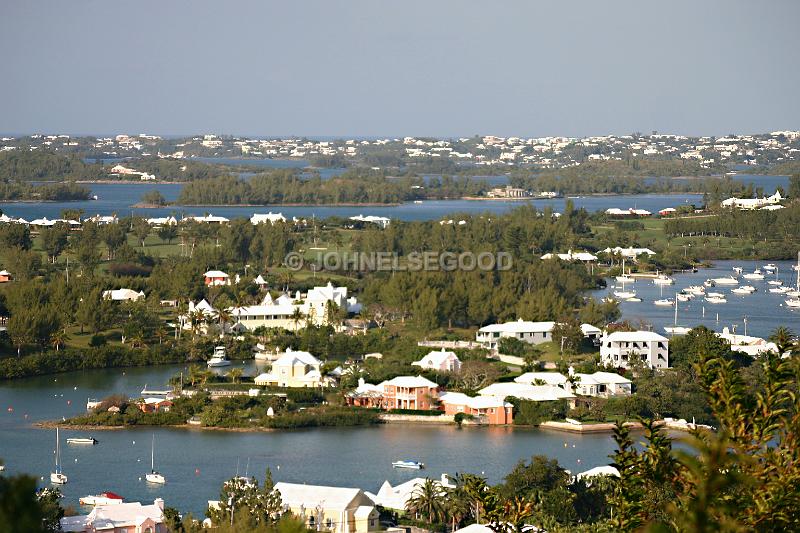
x=167 y=233
x=141 y=229
x=114 y=237
x=235 y=374
x=568 y=335
x=23 y=509
x=154 y=197
x=258 y=506
x=784 y=339
x=428 y=500
x=54 y=240
x=15 y=235
x=794 y=187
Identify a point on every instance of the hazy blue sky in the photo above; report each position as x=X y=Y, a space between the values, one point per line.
x=373 y=68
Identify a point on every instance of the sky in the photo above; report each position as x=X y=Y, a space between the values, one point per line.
x=376 y=68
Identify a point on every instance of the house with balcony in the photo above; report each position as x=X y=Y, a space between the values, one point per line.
x=619 y=348
x=410 y=392
x=215 y=278
x=295 y=369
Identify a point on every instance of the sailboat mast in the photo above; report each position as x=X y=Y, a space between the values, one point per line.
x=153 y=455
x=676 y=309
x=58 y=451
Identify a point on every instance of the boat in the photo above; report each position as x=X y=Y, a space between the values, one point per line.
x=219 y=358
x=662 y=279
x=624 y=278
x=666 y=302
x=716 y=300
x=104 y=498
x=709 y=283
x=770 y=267
x=726 y=280
x=741 y=290
x=625 y=295
x=794 y=303
x=2 y=467
x=57 y=476
x=82 y=440
x=793 y=294
x=780 y=290
x=677 y=330
x=776 y=282
x=154 y=476
x=408 y=464
x=695 y=289
x=685 y=297
x=756 y=275
x=634 y=299
x=738 y=270
x=715 y=295
x=417 y=201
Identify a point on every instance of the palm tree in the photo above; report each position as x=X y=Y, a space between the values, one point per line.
x=161 y=334
x=784 y=339
x=296 y=316
x=195 y=372
x=224 y=318
x=473 y=489
x=427 y=500
x=57 y=338
x=235 y=374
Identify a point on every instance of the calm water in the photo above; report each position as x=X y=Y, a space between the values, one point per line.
x=764 y=310
x=118 y=198
x=196 y=462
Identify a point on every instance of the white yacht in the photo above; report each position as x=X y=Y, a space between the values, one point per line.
x=755 y=275
x=57 y=476
x=697 y=290
x=794 y=303
x=663 y=279
x=82 y=440
x=738 y=270
x=780 y=290
x=635 y=299
x=726 y=280
x=684 y=297
x=219 y=358
x=625 y=295
x=675 y=329
x=770 y=267
x=666 y=302
x=154 y=476
x=408 y=464
x=743 y=290
x=716 y=299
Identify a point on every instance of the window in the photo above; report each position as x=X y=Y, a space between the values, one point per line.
x=328 y=523
x=310 y=521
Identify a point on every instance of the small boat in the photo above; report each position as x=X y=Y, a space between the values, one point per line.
x=770 y=267
x=709 y=283
x=695 y=289
x=625 y=278
x=417 y=201
x=780 y=290
x=58 y=477
x=408 y=464
x=715 y=295
x=219 y=358
x=677 y=330
x=726 y=280
x=624 y=295
x=756 y=275
x=741 y=290
x=794 y=303
x=105 y=498
x=2 y=467
x=793 y=294
x=154 y=476
x=716 y=300
x=666 y=302
x=775 y=282
x=685 y=297
x=633 y=300
x=82 y=440
x=738 y=270
x=91 y=403
x=661 y=279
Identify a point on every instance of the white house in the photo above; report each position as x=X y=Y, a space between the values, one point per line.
x=747 y=344
x=272 y=218
x=397 y=497
x=535 y=393
x=130 y=517
x=441 y=361
x=207 y=219
x=555 y=379
x=585 y=257
x=123 y=295
x=630 y=252
x=381 y=221
x=603 y=384
x=651 y=348
x=530 y=332
x=335 y=509
x=752 y=203
x=295 y=369
x=163 y=221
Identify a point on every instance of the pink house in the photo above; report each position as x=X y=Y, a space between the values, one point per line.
x=216 y=277
x=441 y=361
x=121 y=518
x=410 y=392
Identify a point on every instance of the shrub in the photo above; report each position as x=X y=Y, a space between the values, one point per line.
x=98 y=340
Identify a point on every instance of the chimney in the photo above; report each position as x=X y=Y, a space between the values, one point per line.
x=159 y=503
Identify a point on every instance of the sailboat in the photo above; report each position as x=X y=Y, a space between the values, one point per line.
x=153 y=476
x=675 y=329
x=57 y=476
x=625 y=278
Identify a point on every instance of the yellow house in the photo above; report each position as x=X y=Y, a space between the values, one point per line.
x=335 y=509
x=294 y=369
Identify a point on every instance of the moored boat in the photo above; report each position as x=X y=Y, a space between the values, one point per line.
x=664 y=302
x=82 y=440
x=58 y=477
x=219 y=358
x=408 y=464
x=726 y=280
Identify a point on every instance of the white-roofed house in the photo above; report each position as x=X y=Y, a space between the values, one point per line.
x=530 y=332
x=272 y=218
x=365 y=395
x=619 y=347
x=335 y=509
x=123 y=295
x=214 y=278
x=555 y=379
x=397 y=497
x=5 y=276
x=534 y=393
x=295 y=369
x=585 y=257
x=441 y=361
x=490 y=410
x=207 y=219
x=630 y=252
x=130 y=517
x=410 y=392
x=602 y=384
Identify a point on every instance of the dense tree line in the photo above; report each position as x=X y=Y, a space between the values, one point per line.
x=51 y=192
x=42 y=165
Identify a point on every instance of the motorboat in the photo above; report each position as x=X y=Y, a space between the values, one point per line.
x=709 y=283
x=793 y=294
x=716 y=300
x=677 y=330
x=625 y=278
x=154 y=476
x=715 y=295
x=662 y=279
x=738 y=270
x=741 y=290
x=58 y=477
x=726 y=280
x=695 y=289
x=755 y=275
x=664 y=302
x=770 y=267
x=634 y=300
x=219 y=358
x=624 y=295
x=780 y=290
x=105 y=498
x=408 y=464
x=685 y=297
x=82 y=440
x=794 y=303
x=775 y=282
